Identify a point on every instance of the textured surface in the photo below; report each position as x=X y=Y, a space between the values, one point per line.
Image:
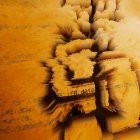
x=69 y=69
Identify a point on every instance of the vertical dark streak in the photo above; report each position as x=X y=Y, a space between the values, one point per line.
x=92 y=12
x=63 y=3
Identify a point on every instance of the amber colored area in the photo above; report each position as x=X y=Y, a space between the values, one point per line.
x=28 y=36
